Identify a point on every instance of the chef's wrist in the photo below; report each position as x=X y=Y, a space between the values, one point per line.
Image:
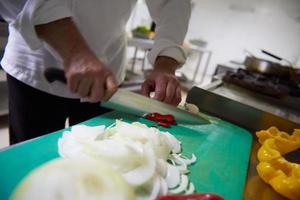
x=166 y=64
x=78 y=54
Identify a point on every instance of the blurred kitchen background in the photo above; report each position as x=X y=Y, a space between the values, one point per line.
x=222 y=33
x=229 y=27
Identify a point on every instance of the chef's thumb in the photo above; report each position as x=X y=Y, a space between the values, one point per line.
x=111 y=87
x=147 y=88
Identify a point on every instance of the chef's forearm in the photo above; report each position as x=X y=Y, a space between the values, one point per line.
x=63 y=36
x=166 y=64
x=170 y=33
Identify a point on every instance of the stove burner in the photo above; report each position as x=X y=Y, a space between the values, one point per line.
x=262 y=83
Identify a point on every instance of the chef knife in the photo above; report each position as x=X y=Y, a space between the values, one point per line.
x=135 y=104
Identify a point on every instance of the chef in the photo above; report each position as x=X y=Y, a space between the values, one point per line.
x=87 y=40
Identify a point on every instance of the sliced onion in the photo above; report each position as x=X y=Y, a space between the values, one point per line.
x=191 y=189
x=155 y=189
x=175 y=144
x=184 y=182
x=191 y=108
x=87 y=133
x=182 y=160
x=129 y=131
x=163 y=187
x=68 y=147
x=173 y=176
x=182 y=168
x=143 y=173
x=161 y=167
x=191 y=160
x=120 y=157
x=135 y=151
x=140 y=133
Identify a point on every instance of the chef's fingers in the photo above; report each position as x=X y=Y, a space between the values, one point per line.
x=177 y=98
x=160 y=89
x=170 y=91
x=147 y=88
x=73 y=81
x=97 y=91
x=111 y=86
x=84 y=87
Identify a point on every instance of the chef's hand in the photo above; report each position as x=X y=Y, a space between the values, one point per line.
x=90 y=78
x=162 y=82
x=86 y=74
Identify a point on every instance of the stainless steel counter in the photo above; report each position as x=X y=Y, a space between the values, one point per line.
x=252 y=119
x=287 y=108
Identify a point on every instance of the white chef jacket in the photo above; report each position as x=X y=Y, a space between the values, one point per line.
x=101 y=23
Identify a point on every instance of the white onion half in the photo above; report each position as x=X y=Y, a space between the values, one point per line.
x=74 y=179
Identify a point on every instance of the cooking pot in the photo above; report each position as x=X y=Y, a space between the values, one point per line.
x=264 y=66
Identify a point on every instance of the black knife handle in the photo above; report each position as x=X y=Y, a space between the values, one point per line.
x=54 y=74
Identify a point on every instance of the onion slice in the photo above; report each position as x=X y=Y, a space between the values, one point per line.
x=191 y=189
x=155 y=189
x=173 y=176
x=163 y=187
x=179 y=159
x=143 y=173
x=182 y=187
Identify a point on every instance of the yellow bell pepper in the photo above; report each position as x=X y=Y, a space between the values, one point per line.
x=282 y=175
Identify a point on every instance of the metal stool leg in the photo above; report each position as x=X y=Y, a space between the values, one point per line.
x=134 y=59
x=197 y=66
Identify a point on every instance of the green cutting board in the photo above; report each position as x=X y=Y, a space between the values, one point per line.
x=222 y=151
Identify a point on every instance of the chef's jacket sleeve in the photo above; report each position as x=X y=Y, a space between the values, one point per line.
x=24 y=15
x=172 y=19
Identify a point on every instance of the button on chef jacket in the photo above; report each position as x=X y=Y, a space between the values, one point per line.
x=101 y=23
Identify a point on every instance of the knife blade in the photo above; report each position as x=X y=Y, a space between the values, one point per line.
x=136 y=104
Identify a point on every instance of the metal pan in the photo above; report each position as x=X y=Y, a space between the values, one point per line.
x=264 y=66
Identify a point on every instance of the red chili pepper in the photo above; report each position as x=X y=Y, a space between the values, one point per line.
x=151 y=117
x=158 y=117
x=162 y=120
x=164 y=124
x=200 y=196
x=169 y=118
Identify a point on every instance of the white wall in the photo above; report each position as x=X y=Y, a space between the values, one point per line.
x=230 y=26
x=298 y=62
